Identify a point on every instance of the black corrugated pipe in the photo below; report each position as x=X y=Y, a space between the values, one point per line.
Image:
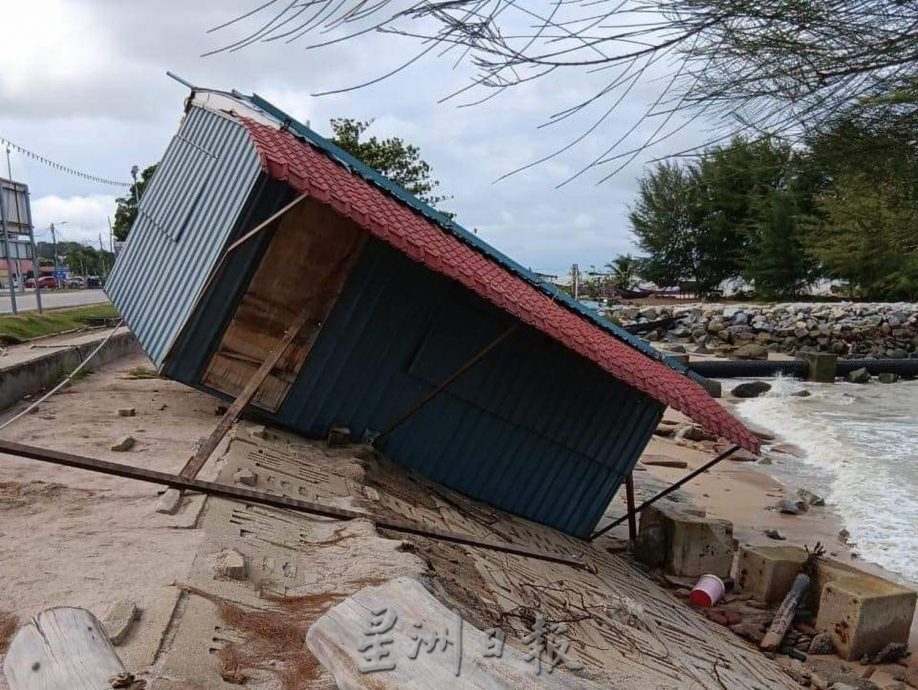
x=903 y=367
x=748 y=368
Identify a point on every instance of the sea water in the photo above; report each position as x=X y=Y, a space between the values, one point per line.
x=861 y=446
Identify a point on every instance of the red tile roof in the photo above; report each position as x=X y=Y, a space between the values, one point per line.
x=306 y=169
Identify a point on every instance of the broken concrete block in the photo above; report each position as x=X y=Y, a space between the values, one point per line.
x=339 y=435
x=126 y=412
x=119 y=618
x=888 y=377
x=863 y=613
x=260 y=432
x=169 y=502
x=685 y=544
x=123 y=444
x=230 y=564
x=821 y=366
x=767 y=572
x=246 y=477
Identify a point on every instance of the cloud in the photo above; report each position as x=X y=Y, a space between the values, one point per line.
x=76 y=218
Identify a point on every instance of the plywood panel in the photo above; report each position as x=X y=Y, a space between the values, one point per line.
x=310 y=254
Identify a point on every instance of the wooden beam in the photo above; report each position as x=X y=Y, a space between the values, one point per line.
x=196 y=461
x=274 y=501
x=262 y=225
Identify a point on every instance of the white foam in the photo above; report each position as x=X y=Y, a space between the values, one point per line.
x=861 y=444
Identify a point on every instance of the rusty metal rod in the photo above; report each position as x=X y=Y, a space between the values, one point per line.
x=632 y=516
x=283 y=502
x=666 y=492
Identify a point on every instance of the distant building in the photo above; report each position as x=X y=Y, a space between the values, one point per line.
x=253 y=220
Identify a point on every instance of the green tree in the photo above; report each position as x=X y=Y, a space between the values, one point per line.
x=666 y=221
x=867 y=238
x=778 y=264
x=400 y=162
x=863 y=228
x=624 y=268
x=731 y=214
x=126 y=209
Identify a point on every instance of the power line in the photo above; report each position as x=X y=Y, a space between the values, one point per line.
x=63 y=168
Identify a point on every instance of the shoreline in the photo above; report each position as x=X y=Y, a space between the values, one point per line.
x=745 y=493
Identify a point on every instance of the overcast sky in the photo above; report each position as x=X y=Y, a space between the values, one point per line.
x=83 y=82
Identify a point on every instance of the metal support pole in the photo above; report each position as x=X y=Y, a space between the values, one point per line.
x=666 y=492
x=277 y=501
x=632 y=515
x=6 y=249
x=54 y=243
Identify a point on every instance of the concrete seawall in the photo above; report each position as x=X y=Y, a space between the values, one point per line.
x=35 y=374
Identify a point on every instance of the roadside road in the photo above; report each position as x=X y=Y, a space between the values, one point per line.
x=52 y=299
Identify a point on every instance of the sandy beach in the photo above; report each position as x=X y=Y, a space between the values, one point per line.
x=70 y=537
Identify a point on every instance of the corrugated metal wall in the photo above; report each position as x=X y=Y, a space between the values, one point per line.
x=532 y=428
x=186 y=216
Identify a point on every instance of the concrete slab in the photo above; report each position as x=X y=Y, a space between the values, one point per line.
x=767 y=572
x=26 y=370
x=862 y=612
x=685 y=544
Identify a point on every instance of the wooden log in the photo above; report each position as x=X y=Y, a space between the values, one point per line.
x=61 y=648
x=785 y=615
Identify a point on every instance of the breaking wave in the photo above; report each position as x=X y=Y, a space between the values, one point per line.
x=861 y=444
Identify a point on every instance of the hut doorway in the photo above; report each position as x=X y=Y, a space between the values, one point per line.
x=310 y=254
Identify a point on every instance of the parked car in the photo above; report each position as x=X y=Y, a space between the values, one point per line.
x=74 y=283
x=45 y=282
x=94 y=282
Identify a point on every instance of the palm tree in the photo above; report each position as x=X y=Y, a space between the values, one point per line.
x=624 y=271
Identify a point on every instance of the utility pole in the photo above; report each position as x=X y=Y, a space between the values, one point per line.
x=575 y=280
x=102 y=258
x=54 y=243
x=134 y=170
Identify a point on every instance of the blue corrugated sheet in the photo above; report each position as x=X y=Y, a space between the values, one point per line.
x=532 y=427
x=184 y=220
x=400 y=193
